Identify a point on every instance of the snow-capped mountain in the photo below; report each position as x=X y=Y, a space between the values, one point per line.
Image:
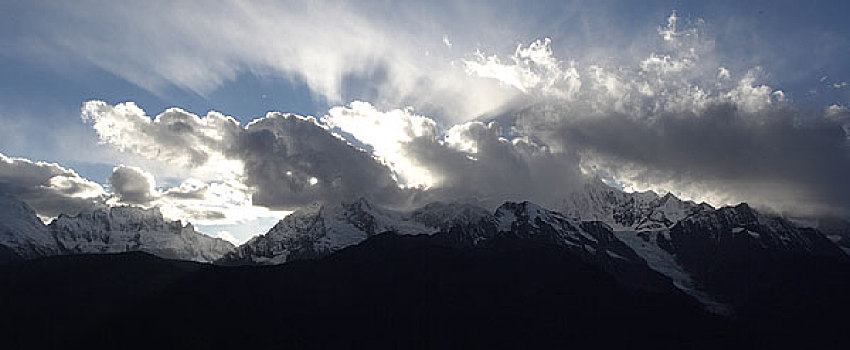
x=627 y=211
x=726 y=233
x=702 y=250
x=123 y=229
x=458 y=224
x=593 y=241
x=320 y=229
x=22 y=232
x=635 y=237
x=105 y=230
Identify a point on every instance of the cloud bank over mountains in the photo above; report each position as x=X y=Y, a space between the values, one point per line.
x=675 y=118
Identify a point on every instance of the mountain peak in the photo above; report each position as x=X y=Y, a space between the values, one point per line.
x=626 y=210
x=128 y=228
x=22 y=231
x=322 y=229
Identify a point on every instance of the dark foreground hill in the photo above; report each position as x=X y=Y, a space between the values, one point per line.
x=404 y=292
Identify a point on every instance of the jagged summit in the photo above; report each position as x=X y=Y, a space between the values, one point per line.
x=741 y=225
x=635 y=237
x=321 y=229
x=21 y=231
x=121 y=229
x=627 y=211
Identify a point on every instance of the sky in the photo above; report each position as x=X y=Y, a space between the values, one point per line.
x=230 y=114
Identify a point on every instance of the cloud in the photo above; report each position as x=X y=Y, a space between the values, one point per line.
x=320 y=44
x=472 y=160
x=532 y=69
x=175 y=136
x=189 y=189
x=476 y=161
x=282 y=154
x=397 y=158
x=386 y=133
x=671 y=119
x=287 y=160
x=133 y=185
x=49 y=188
x=776 y=159
x=214 y=203
x=671 y=122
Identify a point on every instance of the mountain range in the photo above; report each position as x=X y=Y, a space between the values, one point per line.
x=104 y=230
x=762 y=272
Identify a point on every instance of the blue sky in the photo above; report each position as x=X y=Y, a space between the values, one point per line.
x=245 y=60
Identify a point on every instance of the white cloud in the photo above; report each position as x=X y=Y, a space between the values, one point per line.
x=175 y=136
x=531 y=70
x=386 y=133
x=321 y=44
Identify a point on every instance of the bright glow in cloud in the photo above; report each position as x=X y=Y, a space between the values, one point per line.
x=386 y=133
x=532 y=69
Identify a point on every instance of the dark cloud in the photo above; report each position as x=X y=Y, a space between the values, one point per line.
x=292 y=161
x=741 y=144
x=47 y=187
x=779 y=157
x=497 y=170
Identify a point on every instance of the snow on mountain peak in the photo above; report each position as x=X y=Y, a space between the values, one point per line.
x=22 y=231
x=321 y=229
x=122 y=229
x=627 y=211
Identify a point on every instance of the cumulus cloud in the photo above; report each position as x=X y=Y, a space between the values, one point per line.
x=386 y=133
x=475 y=161
x=133 y=185
x=48 y=187
x=52 y=190
x=671 y=122
x=175 y=136
x=674 y=119
x=395 y=157
x=212 y=203
x=723 y=155
x=287 y=160
x=293 y=161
